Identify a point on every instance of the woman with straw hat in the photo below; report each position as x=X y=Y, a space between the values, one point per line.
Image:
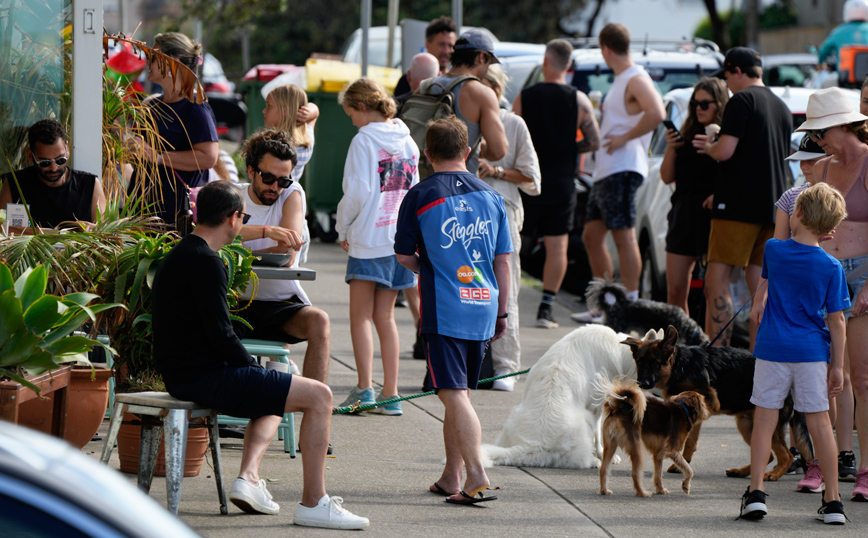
x=841 y=132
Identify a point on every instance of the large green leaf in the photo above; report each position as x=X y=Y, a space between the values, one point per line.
x=80 y=299
x=11 y=315
x=141 y=274
x=5 y=372
x=72 y=345
x=18 y=347
x=34 y=287
x=22 y=280
x=43 y=314
x=40 y=362
x=6 y=281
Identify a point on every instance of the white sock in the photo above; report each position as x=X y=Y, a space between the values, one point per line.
x=632 y=295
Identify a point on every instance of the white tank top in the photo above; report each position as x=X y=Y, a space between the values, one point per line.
x=270 y=289
x=632 y=156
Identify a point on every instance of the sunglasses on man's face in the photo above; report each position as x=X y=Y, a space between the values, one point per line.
x=268 y=178
x=704 y=104
x=816 y=133
x=45 y=163
x=245 y=217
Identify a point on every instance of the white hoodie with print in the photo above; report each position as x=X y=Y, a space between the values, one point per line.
x=381 y=167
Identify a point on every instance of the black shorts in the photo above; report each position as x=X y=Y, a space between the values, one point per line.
x=268 y=319
x=243 y=392
x=689 y=226
x=454 y=363
x=613 y=200
x=541 y=220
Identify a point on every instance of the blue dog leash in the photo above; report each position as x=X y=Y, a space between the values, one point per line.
x=750 y=301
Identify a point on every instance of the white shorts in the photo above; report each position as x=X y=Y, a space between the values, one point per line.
x=772 y=382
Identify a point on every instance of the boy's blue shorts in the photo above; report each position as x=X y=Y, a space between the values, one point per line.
x=454 y=363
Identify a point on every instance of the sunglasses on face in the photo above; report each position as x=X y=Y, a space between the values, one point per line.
x=268 y=178
x=704 y=104
x=816 y=133
x=45 y=163
x=245 y=217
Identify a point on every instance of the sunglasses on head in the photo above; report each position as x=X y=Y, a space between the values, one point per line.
x=45 y=163
x=816 y=133
x=268 y=178
x=704 y=104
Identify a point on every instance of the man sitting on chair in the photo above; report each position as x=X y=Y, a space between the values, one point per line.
x=202 y=360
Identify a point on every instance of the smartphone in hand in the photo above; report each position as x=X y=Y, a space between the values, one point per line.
x=671 y=126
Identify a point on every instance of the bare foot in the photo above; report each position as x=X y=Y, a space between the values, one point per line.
x=440 y=490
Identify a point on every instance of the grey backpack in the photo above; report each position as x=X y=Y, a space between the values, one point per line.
x=424 y=107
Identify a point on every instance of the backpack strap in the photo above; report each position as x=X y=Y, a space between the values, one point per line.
x=427 y=84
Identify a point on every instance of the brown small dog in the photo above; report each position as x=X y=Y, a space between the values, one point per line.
x=662 y=426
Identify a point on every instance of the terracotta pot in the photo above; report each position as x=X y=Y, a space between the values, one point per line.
x=87 y=401
x=128 y=448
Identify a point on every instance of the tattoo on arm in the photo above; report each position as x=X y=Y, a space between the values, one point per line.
x=723 y=312
x=590 y=132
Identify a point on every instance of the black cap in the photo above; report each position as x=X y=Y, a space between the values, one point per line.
x=808 y=150
x=476 y=40
x=741 y=57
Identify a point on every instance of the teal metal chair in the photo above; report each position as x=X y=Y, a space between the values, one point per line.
x=277 y=351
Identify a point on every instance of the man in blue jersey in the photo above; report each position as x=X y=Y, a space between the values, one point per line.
x=458 y=226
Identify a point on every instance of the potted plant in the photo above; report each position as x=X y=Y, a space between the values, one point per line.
x=37 y=336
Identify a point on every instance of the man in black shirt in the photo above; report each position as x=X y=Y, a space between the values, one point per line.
x=554 y=110
x=54 y=192
x=753 y=143
x=202 y=360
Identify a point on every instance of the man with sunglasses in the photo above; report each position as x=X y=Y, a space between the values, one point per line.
x=753 y=142
x=54 y=192
x=281 y=309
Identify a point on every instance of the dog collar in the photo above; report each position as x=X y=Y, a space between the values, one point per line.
x=686 y=411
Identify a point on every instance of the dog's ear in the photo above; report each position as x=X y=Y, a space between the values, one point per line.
x=668 y=344
x=633 y=343
x=650 y=336
x=702 y=410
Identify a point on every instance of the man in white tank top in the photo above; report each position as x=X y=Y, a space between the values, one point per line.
x=281 y=309
x=631 y=111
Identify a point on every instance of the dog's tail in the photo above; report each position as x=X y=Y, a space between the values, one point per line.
x=603 y=295
x=621 y=397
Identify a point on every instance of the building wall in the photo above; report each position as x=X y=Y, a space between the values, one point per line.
x=792 y=39
x=825 y=13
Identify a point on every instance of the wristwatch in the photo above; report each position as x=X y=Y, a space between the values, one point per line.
x=498 y=172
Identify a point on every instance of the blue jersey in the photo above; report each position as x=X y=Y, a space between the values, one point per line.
x=803 y=281
x=458 y=224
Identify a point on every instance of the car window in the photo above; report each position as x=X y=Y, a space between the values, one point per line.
x=664 y=79
x=658 y=138
x=518 y=74
x=788 y=75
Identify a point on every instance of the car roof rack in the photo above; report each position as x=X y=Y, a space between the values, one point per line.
x=643 y=45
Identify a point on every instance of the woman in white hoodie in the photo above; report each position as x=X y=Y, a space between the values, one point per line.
x=381 y=167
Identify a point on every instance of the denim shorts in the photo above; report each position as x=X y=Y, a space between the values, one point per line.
x=772 y=382
x=613 y=200
x=850 y=265
x=385 y=271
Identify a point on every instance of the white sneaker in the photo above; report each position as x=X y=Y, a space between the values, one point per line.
x=328 y=514
x=252 y=499
x=293 y=368
x=505 y=384
x=589 y=316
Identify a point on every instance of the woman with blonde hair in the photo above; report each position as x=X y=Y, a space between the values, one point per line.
x=287 y=109
x=381 y=166
x=517 y=171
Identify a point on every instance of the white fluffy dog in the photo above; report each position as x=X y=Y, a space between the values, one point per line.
x=557 y=423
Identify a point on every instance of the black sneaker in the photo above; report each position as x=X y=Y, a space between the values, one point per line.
x=831 y=513
x=798 y=462
x=847 y=466
x=753 y=505
x=544 y=319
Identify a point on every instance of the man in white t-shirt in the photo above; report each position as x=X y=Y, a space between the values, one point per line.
x=280 y=309
x=631 y=111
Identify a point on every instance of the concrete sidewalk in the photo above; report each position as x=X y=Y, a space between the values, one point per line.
x=382 y=465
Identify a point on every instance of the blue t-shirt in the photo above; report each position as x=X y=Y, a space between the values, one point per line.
x=182 y=125
x=803 y=281
x=458 y=224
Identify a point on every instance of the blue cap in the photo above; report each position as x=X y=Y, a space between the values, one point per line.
x=476 y=40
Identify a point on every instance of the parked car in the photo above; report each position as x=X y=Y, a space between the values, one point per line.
x=229 y=108
x=789 y=69
x=49 y=488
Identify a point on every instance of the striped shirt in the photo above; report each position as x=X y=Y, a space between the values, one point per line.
x=787 y=201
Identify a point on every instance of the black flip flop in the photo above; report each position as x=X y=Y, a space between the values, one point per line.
x=471 y=500
x=439 y=490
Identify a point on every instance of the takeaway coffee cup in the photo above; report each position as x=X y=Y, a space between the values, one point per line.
x=711 y=131
x=279 y=366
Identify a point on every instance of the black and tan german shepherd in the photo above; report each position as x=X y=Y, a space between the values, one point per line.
x=724 y=376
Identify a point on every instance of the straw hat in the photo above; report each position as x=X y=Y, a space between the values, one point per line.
x=830 y=107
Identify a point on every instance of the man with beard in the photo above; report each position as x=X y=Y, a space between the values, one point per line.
x=54 y=192
x=281 y=309
x=440 y=38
